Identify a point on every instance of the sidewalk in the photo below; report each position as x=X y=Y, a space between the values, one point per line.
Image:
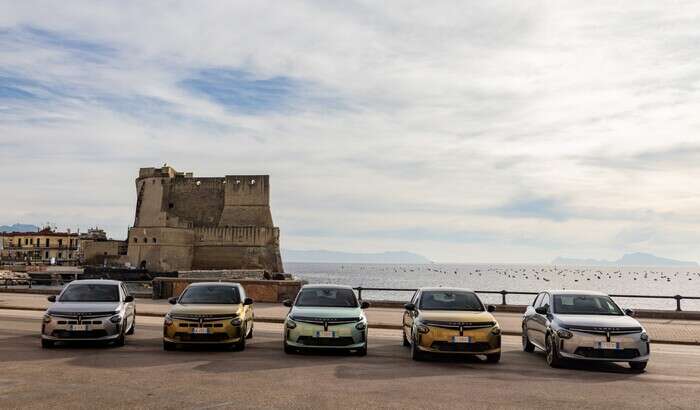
x=660 y=330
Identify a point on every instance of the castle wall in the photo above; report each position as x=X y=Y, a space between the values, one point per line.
x=199 y=201
x=161 y=249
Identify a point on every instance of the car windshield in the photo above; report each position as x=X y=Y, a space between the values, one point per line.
x=327 y=297
x=585 y=305
x=211 y=295
x=90 y=293
x=450 y=300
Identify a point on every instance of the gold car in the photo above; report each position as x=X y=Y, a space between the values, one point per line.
x=209 y=313
x=450 y=320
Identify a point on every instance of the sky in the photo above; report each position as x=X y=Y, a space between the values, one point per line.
x=464 y=131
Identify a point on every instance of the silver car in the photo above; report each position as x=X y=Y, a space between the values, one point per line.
x=584 y=325
x=96 y=310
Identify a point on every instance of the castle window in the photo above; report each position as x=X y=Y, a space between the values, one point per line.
x=145 y=240
x=171 y=205
x=136 y=240
x=154 y=240
x=47 y=255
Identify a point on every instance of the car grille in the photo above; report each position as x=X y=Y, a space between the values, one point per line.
x=90 y=334
x=602 y=330
x=321 y=320
x=607 y=353
x=75 y=322
x=461 y=347
x=204 y=318
x=323 y=341
x=195 y=324
x=211 y=337
x=457 y=325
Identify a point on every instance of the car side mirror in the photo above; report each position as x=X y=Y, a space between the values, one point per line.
x=287 y=302
x=542 y=310
x=248 y=301
x=51 y=298
x=364 y=304
x=172 y=300
x=490 y=308
x=128 y=298
x=629 y=312
x=410 y=306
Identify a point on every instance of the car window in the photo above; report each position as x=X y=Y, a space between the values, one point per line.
x=585 y=305
x=326 y=297
x=450 y=300
x=90 y=293
x=211 y=295
x=545 y=300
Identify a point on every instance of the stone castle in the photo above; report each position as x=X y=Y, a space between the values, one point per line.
x=188 y=223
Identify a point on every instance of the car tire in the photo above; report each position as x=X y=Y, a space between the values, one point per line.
x=168 y=346
x=288 y=349
x=121 y=340
x=416 y=353
x=47 y=344
x=132 y=329
x=240 y=346
x=250 y=334
x=406 y=343
x=493 y=358
x=552 y=353
x=527 y=345
x=638 y=366
x=362 y=351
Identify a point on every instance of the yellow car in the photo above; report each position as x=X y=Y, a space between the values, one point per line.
x=209 y=313
x=450 y=320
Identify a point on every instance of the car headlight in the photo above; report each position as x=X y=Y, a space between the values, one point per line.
x=644 y=337
x=564 y=334
x=496 y=330
x=115 y=319
x=291 y=324
x=47 y=318
x=167 y=321
x=236 y=321
x=361 y=326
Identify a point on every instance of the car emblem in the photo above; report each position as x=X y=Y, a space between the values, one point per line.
x=607 y=334
x=325 y=325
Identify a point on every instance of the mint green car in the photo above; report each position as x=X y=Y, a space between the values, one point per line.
x=326 y=317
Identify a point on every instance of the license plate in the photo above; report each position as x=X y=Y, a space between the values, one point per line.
x=607 y=345
x=77 y=328
x=327 y=333
x=461 y=339
x=200 y=330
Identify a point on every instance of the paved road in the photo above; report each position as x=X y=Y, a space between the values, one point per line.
x=142 y=375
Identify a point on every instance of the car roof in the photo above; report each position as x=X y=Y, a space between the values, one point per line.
x=231 y=284
x=576 y=292
x=326 y=286
x=95 y=282
x=449 y=289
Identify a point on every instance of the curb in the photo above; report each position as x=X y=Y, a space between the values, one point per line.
x=375 y=326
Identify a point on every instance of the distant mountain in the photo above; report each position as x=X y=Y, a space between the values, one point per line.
x=630 y=259
x=322 y=256
x=19 y=228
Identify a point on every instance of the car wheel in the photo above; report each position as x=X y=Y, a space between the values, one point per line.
x=132 y=329
x=527 y=345
x=47 y=344
x=288 y=349
x=240 y=346
x=168 y=346
x=416 y=353
x=250 y=334
x=121 y=340
x=362 y=351
x=493 y=358
x=638 y=366
x=552 y=353
x=405 y=340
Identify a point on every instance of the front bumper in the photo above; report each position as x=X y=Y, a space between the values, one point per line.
x=440 y=340
x=96 y=329
x=584 y=346
x=305 y=335
x=218 y=332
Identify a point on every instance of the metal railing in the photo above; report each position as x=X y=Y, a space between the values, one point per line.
x=505 y=293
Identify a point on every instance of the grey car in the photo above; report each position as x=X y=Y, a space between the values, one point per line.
x=584 y=325
x=95 y=310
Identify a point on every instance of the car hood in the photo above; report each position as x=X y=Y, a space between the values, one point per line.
x=456 y=316
x=597 y=321
x=84 y=307
x=325 y=312
x=200 y=309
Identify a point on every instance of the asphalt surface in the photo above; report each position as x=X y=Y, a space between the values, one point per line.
x=142 y=375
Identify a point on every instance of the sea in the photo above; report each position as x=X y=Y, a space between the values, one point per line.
x=524 y=278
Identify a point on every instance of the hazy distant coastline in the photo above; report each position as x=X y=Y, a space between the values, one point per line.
x=630 y=259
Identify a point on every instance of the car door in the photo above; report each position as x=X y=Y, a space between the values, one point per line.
x=408 y=316
x=129 y=307
x=540 y=322
x=528 y=320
